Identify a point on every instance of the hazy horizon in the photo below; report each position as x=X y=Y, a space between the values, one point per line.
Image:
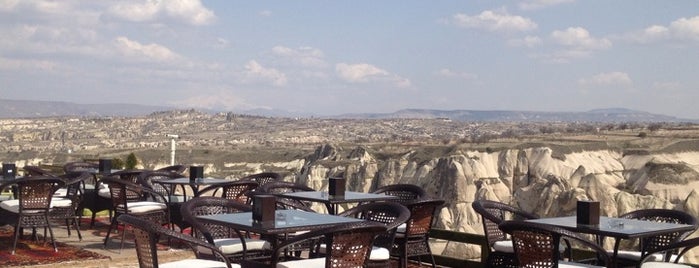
x=331 y=58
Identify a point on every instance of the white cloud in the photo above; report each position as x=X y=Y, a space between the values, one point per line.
x=607 y=79
x=364 y=73
x=680 y=29
x=254 y=72
x=527 y=41
x=539 y=4
x=495 y=21
x=27 y=65
x=684 y=28
x=189 y=11
x=449 y=73
x=265 y=13
x=137 y=50
x=304 y=56
x=580 y=38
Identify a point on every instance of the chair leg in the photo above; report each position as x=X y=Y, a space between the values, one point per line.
x=68 y=226
x=53 y=240
x=76 y=222
x=109 y=231
x=14 y=244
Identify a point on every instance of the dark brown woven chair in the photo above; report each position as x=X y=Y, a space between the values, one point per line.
x=91 y=200
x=537 y=245
x=65 y=206
x=406 y=193
x=233 y=190
x=134 y=199
x=148 y=234
x=412 y=238
x=675 y=260
x=179 y=169
x=633 y=258
x=348 y=246
x=500 y=251
x=174 y=200
x=391 y=215
x=32 y=206
x=236 y=245
x=279 y=187
x=263 y=178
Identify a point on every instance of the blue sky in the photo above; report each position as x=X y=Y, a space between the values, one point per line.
x=335 y=57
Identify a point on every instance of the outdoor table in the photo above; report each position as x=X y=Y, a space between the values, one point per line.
x=193 y=184
x=616 y=228
x=332 y=202
x=285 y=222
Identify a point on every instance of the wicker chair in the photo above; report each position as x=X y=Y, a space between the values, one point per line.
x=149 y=179
x=148 y=234
x=500 y=250
x=676 y=261
x=35 y=171
x=412 y=238
x=65 y=206
x=406 y=193
x=32 y=206
x=633 y=258
x=234 y=190
x=236 y=245
x=134 y=199
x=280 y=187
x=263 y=178
x=390 y=214
x=537 y=245
x=348 y=246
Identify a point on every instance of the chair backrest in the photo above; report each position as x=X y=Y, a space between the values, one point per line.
x=263 y=178
x=350 y=245
x=35 y=171
x=493 y=213
x=130 y=175
x=209 y=205
x=662 y=215
x=233 y=190
x=146 y=179
x=280 y=187
x=80 y=166
x=422 y=213
x=124 y=191
x=179 y=169
x=74 y=183
x=35 y=193
x=406 y=193
x=390 y=214
x=537 y=245
x=147 y=234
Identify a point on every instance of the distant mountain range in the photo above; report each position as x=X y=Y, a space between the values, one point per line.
x=30 y=109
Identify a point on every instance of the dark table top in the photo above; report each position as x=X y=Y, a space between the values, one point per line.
x=349 y=197
x=616 y=227
x=286 y=221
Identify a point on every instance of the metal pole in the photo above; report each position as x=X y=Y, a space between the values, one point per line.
x=172 y=151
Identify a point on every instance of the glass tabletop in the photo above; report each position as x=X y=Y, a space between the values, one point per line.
x=616 y=227
x=198 y=181
x=285 y=221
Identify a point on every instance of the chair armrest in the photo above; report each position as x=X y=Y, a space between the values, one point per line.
x=193 y=243
x=683 y=246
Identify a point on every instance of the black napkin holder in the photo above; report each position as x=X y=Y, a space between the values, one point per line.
x=588 y=212
x=105 y=165
x=196 y=172
x=263 y=209
x=9 y=171
x=336 y=187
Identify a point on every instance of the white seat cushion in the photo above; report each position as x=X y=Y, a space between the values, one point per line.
x=104 y=192
x=12 y=205
x=307 y=263
x=234 y=245
x=145 y=206
x=177 y=198
x=565 y=264
x=60 y=202
x=61 y=192
x=654 y=264
x=636 y=256
x=504 y=246
x=199 y=263
x=379 y=254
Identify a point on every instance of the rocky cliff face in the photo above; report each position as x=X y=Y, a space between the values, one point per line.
x=533 y=179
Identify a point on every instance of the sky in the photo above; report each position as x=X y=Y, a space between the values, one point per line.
x=337 y=57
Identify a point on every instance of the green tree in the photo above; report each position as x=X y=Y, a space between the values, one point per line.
x=117 y=163
x=131 y=161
